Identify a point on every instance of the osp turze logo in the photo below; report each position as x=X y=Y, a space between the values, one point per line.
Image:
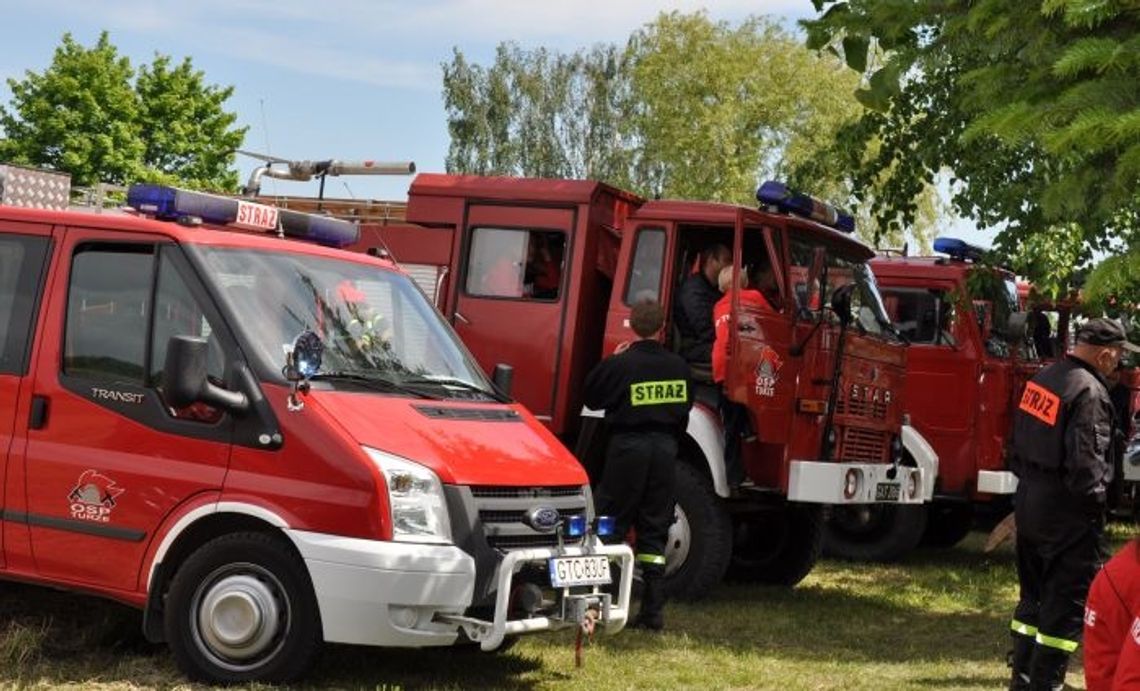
x=768 y=371
x=93 y=497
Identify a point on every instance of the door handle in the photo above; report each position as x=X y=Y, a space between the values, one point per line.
x=37 y=418
x=462 y=318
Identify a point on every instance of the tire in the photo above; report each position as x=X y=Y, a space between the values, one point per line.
x=700 y=539
x=873 y=532
x=947 y=523
x=779 y=546
x=252 y=575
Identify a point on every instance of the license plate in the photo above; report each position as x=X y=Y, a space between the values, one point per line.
x=887 y=491
x=588 y=570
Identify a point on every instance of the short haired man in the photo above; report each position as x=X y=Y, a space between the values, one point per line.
x=693 y=310
x=646 y=393
x=1062 y=437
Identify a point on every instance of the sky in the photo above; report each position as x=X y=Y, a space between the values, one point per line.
x=344 y=79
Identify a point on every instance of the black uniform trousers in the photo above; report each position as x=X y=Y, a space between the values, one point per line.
x=637 y=488
x=1059 y=550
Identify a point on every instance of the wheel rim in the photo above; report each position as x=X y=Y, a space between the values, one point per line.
x=680 y=539
x=240 y=616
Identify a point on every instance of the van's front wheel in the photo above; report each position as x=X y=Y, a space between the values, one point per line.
x=241 y=609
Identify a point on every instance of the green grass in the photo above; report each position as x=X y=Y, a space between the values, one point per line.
x=938 y=620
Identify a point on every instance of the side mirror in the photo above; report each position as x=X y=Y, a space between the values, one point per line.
x=841 y=302
x=502 y=377
x=306 y=357
x=1018 y=326
x=983 y=310
x=184 y=377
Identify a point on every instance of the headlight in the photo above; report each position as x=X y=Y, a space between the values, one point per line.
x=415 y=495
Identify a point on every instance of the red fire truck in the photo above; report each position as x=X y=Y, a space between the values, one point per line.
x=265 y=443
x=969 y=359
x=540 y=275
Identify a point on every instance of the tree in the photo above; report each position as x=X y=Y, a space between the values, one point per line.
x=80 y=116
x=189 y=136
x=688 y=108
x=1034 y=107
x=84 y=115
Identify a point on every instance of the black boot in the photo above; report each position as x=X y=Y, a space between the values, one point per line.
x=1020 y=659
x=652 y=613
x=1048 y=670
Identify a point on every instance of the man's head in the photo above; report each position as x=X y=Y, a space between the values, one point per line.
x=724 y=280
x=713 y=259
x=1101 y=342
x=646 y=318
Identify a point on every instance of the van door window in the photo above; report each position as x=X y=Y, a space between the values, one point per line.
x=108 y=307
x=516 y=263
x=648 y=263
x=21 y=276
x=177 y=313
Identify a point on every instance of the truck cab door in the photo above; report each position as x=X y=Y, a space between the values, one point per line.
x=25 y=250
x=760 y=374
x=512 y=296
x=109 y=460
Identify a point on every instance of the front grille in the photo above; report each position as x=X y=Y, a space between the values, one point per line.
x=875 y=410
x=863 y=445
x=502 y=513
x=526 y=492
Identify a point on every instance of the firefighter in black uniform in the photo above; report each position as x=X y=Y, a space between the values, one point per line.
x=1062 y=433
x=646 y=393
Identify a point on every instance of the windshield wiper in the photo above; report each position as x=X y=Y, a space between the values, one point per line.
x=373 y=382
x=458 y=384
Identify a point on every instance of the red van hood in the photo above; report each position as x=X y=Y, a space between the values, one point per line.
x=506 y=447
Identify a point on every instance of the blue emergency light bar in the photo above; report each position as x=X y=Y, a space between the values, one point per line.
x=959 y=249
x=173 y=204
x=777 y=194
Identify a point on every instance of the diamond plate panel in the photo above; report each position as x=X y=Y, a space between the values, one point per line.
x=36 y=189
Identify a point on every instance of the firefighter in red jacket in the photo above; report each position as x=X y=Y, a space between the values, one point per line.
x=1062 y=434
x=1112 y=624
x=646 y=393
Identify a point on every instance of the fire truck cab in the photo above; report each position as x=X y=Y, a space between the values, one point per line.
x=264 y=442
x=541 y=275
x=968 y=361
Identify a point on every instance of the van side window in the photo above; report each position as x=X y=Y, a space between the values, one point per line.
x=923 y=316
x=177 y=313
x=21 y=276
x=108 y=307
x=646 y=267
x=516 y=263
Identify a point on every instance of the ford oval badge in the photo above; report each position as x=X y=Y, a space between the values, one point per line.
x=543 y=518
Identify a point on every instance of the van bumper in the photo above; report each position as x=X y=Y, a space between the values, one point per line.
x=415 y=595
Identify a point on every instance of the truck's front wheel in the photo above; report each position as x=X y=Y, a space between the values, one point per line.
x=241 y=609
x=700 y=539
x=779 y=546
x=873 y=532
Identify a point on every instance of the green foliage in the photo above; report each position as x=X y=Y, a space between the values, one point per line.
x=1114 y=284
x=83 y=115
x=689 y=108
x=1033 y=107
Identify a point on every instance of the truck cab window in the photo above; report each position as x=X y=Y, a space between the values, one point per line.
x=514 y=263
x=108 y=306
x=646 y=267
x=922 y=316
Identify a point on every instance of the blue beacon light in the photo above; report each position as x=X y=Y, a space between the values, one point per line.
x=779 y=195
x=574 y=526
x=958 y=249
x=605 y=526
x=173 y=204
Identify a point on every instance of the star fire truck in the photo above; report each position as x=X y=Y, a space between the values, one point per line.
x=539 y=275
x=211 y=413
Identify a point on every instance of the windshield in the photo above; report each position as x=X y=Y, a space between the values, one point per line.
x=840 y=267
x=373 y=322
